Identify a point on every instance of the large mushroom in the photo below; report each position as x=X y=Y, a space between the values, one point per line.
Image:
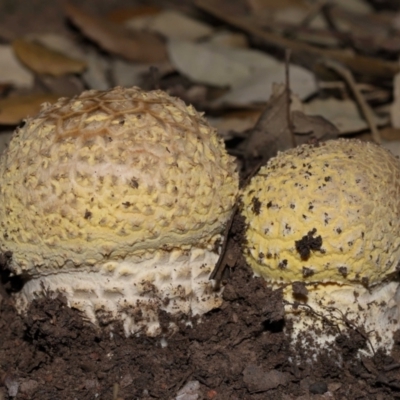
x=117 y=199
x=323 y=225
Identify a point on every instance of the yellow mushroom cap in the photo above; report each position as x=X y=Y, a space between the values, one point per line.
x=327 y=216
x=109 y=174
x=326 y=213
x=108 y=179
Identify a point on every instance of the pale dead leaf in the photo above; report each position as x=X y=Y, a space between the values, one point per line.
x=355 y=6
x=206 y=64
x=393 y=146
x=12 y=71
x=258 y=88
x=5 y=137
x=60 y=43
x=249 y=73
x=14 y=109
x=43 y=60
x=96 y=74
x=173 y=25
x=344 y=114
x=291 y=12
x=134 y=46
x=229 y=39
x=306 y=126
x=125 y=73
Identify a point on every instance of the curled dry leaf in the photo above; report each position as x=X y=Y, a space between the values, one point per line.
x=43 y=60
x=274 y=131
x=133 y=46
x=14 y=109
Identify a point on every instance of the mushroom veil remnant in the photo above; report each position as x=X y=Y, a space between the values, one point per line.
x=323 y=225
x=117 y=199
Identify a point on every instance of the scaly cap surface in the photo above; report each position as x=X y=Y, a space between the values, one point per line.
x=327 y=213
x=107 y=175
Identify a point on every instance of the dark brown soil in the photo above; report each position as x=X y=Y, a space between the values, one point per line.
x=239 y=351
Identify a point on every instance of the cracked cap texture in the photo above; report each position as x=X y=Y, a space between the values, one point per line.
x=327 y=213
x=106 y=175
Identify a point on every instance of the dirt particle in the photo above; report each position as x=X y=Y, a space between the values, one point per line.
x=88 y=214
x=133 y=183
x=255 y=205
x=283 y=264
x=307 y=272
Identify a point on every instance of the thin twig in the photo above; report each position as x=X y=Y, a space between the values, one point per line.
x=288 y=53
x=364 y=106
x=219 y=268
x=313 y=12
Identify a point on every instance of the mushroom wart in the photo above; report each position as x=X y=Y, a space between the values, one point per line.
x=323 y=225
x=117 y=199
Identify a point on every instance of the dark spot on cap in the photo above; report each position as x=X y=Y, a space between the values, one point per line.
x=256 y=205
x=307 y=272
x=133 y=183
x=261 y=255
x=126 y=204
x=338 y=230
x=308 y=243
x=327 y=179
x=87 y=215
x=343 y=271
x=365 y=281
x=282 y=264
x=269 y=204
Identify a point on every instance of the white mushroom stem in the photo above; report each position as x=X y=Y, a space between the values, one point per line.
x=330 y=309
x=136 y=289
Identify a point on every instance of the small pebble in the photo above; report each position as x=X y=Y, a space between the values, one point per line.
x=318 y=388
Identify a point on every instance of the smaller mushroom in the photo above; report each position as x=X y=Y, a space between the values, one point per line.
x=117 y=199
x=326 y=231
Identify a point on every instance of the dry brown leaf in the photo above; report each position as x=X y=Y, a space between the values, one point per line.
x=14 y=109
x=272 y=133
x=259 y=5
x=134 y=46
x=370 y=66
x=121 y=15
x=43 y=60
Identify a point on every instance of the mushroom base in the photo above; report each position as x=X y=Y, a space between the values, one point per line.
x=328 y=310
x=134 y=291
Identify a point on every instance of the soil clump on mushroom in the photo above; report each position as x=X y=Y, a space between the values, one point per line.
x=238 y=351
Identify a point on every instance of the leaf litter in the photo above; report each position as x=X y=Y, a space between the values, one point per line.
x=230 y=60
